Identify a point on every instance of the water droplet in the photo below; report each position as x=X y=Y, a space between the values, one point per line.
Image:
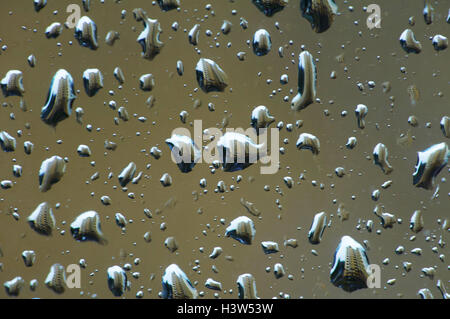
x=14 y=286
x=270 y=247
x=361 y=112
x=247 y=287
x=261 y=117
x=440 y=42
x=7 y=142
x=29 y=257
x=226 y=27
x=149 y=38
x=428 y=13
x=308 y=142
x=176 y=285
x=86 y=227
x=184 y=152
x=270 y=7
x=237 y=151
x=193 y=34
x=409 y=43
x=242 y=229
x=60 y=98
x=167 y=5
x=53 y=30
x=118 y=74
x=210 y=76
x=93 y=81
x=307 y=80
x=429 y=163
x=39 y=4
x=262 y=42
x=320 y=13
x=86 y=33
x=56 y=279
x=317 y=228
x=42 y=219
x=12 y=83
x=126 y=175
x=349 y=266
x=416 y=223
x=117 y=280
x=380 y=158
x=180 y=68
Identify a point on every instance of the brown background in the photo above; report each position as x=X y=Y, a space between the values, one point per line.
x=178 y=207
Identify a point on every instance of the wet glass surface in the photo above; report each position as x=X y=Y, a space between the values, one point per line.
x=120 y=117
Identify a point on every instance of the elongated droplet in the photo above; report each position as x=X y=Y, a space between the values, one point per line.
x=416 y=222
x=32 y=60
x=87 y=227
x=308 y=142
x=320 y=13
x=87 y=5
x=441 y=286
x=61 y=96
x=262 y=43
x=350 y=264
x=250 y=207
x=176 y=285
x=242 y=229
x=210 y=76
x=42 y=219
x=118 y=74
x=380 y=158
x=429 y=163
x=428 y=13
x=193 y=34
x=149 y=38
x=56 y=278
x=127 y=174
x=93 y=81
x=247 y=287
x=180 y=68
x=445 y=126
x=86 y=33
x=317 y=228
x=361 y=112
x=117 y=280
x=307 y=81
